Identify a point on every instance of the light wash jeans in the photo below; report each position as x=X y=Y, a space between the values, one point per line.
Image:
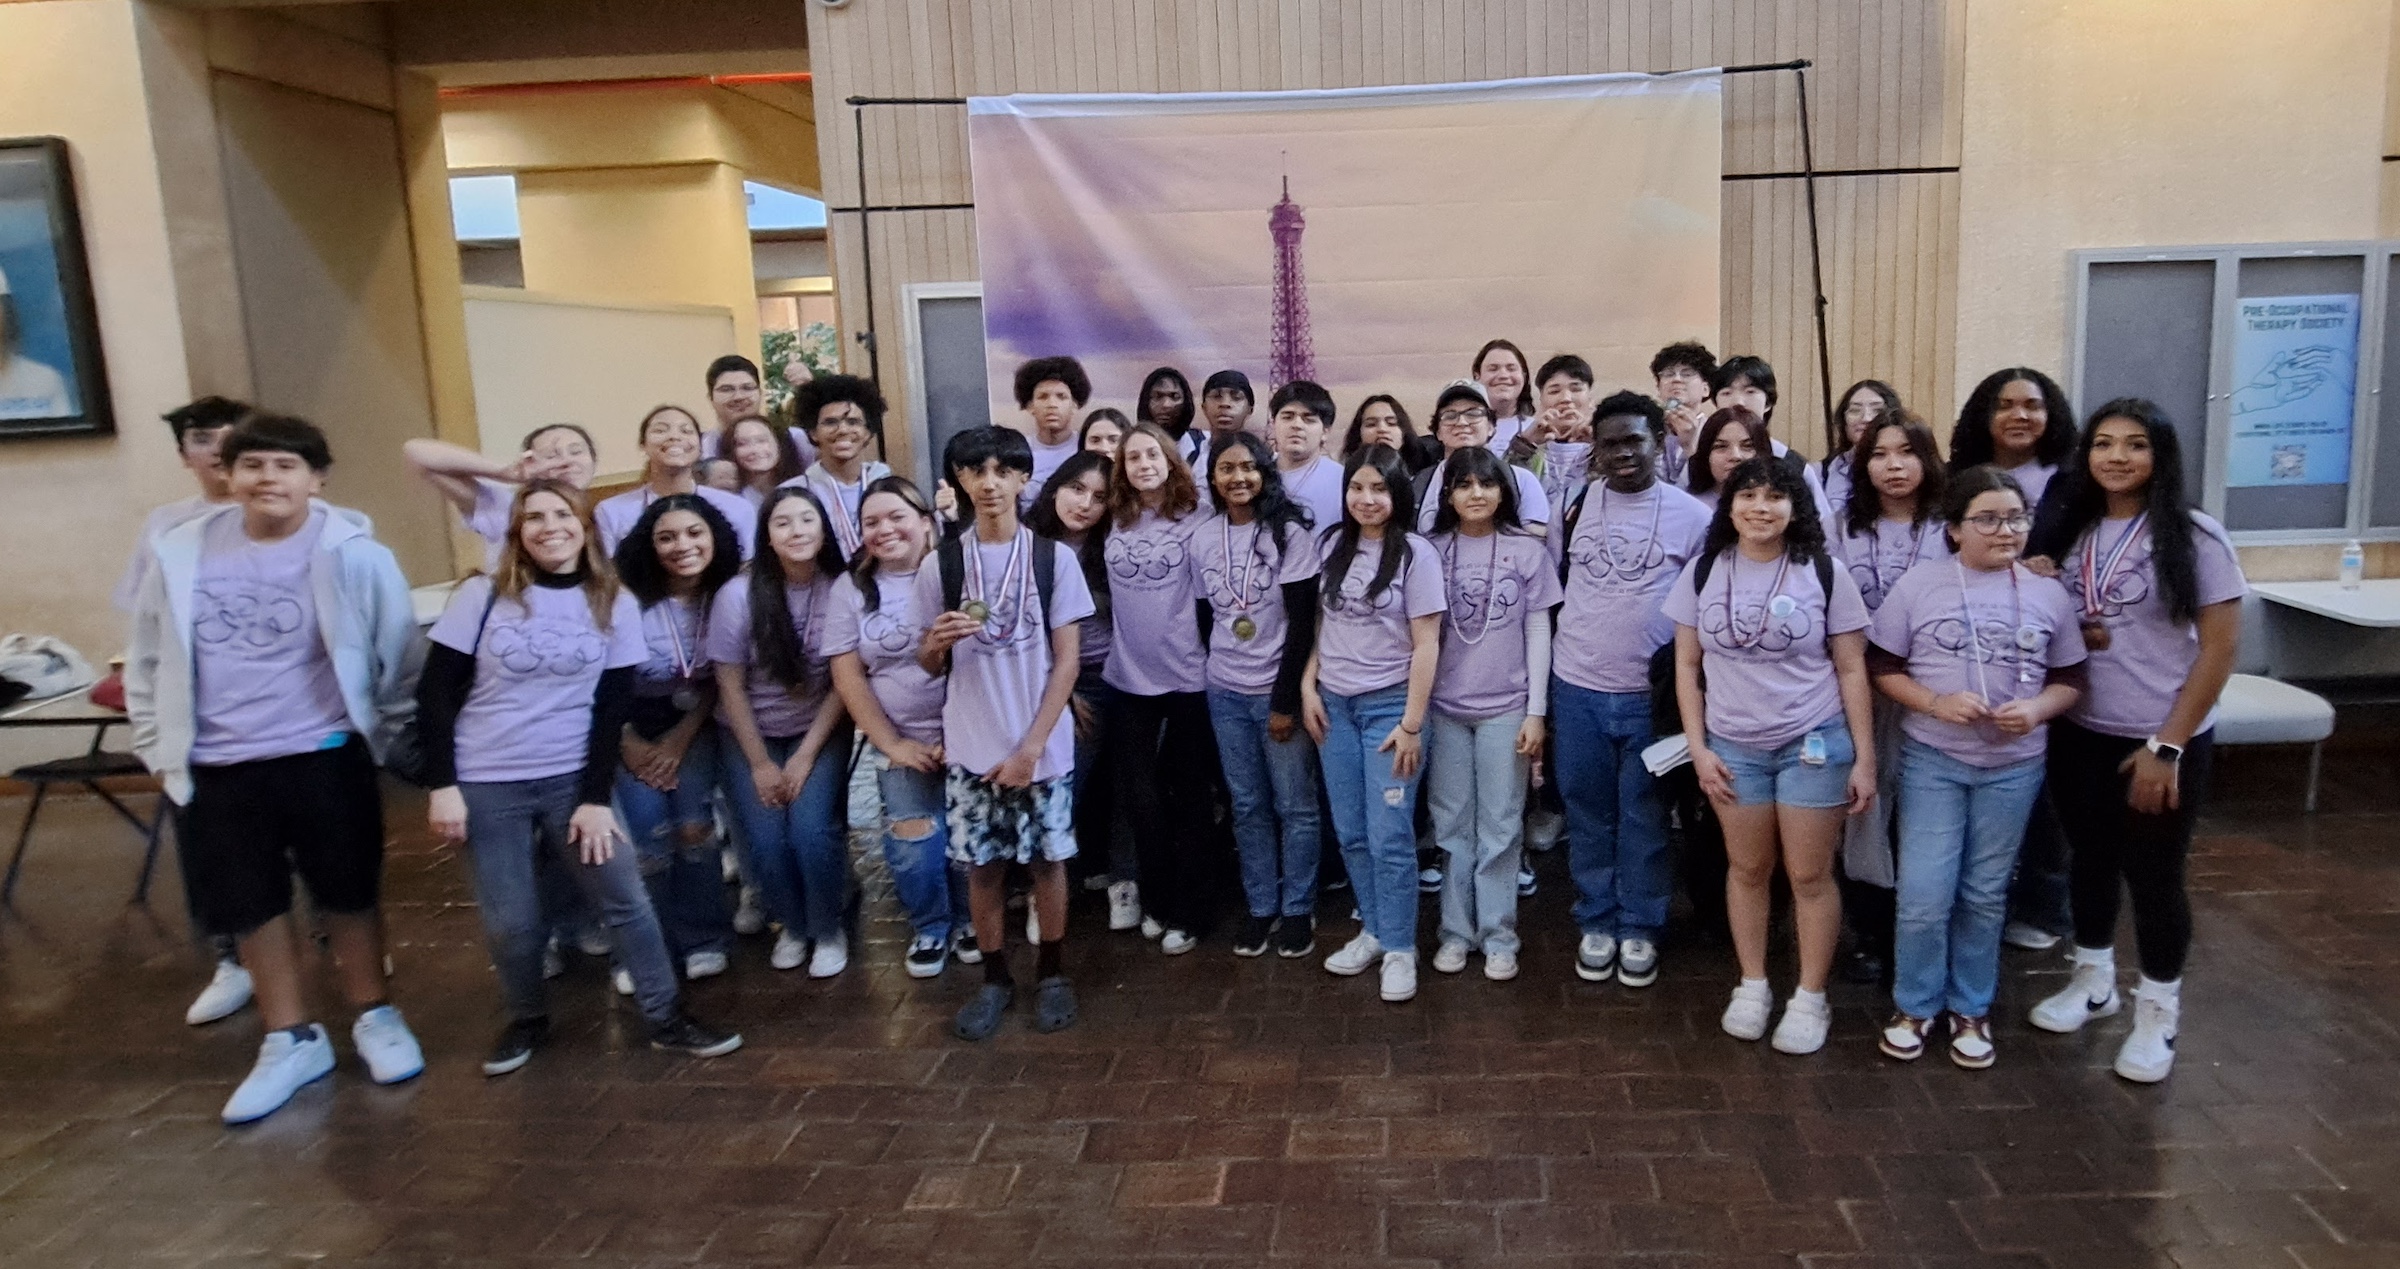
x=1373 y=812
x=681 y=869
x=920 y=866
x=509 y=823
x=1274 y=791
x=1475 y=788
x=1616 y=821
x=799 y=852
x=1959 y=830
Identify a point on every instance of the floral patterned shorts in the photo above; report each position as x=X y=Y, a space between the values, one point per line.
x=990 y=824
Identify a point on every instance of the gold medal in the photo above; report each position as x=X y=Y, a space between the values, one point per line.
x=978 y=609
x=1244 y=628
x=2095 y=637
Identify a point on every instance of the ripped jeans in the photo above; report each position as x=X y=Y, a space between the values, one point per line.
x=919 y=858
x=674 y=834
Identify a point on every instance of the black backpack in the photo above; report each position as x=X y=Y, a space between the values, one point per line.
x=1666 y=716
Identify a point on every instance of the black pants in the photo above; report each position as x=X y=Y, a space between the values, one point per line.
x=2116 y=849
x=1701 y=852
x=1163 y=764
x=2038 y=894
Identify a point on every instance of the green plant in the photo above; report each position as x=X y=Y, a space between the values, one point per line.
x=817 y=346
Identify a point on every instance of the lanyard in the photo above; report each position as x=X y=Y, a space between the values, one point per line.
x=2026 y=636
x=1766 y=611
x=977 y=607
x=1240 y=582
x=683 y=659
x=1658 y=504
x=1491 y=584
x=1916 y=551
x=2095 y=591
x=846 y=528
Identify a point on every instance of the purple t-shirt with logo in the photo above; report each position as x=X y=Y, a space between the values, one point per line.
x=537 y=665
x=998 y=674
x=1253 y=570
x=1840 y=486
x=2135 y=679
x=615 y=516
x=886 y=642
x=1494 y=585
x=1879 y=557
x=1151 y=595
x=1317 y=487
x=1996 y=634
x=262 y=683
x=494 y=503
x=674 y=631
x=779 y=710
x=1762 y=629
x=1365 y=646
x=1047 y=459
x=1628 y=551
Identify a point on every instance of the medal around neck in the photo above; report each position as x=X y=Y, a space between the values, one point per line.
x=1244 y=628
x=978 y=609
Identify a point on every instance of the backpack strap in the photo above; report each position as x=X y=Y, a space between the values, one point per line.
x=951 y=556
x=1045 y=573
x=1825 y=586
x=1566 y=536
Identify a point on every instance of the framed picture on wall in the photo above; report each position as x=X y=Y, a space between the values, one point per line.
x=52 y=382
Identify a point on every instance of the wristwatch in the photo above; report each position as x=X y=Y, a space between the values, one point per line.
x=2172 y=753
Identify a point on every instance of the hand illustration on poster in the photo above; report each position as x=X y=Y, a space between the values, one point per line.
x=2296 y=366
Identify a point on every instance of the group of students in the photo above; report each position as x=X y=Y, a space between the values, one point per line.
x=1882 y=671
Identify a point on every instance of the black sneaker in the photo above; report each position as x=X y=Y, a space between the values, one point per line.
x=516 y=1044
x=691 y=1037
x=1252 y=940
x=1296 y=937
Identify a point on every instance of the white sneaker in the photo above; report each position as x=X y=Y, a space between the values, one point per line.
x=701 y=965
x=1399 y=977
x=1355 y=956
x=2148 y=1054
x=1152 y=927
x=1033 y=925
x=1124 y=905
x=964 y=947
x=1637 y=962
x=831 y=957
x=285 y=1066
x=1499 y=966
x=2091 y=992
x=1429 y=880
x=790 y=951
x=227 y=991
x=1596 y=958
x=748 y=916
x=2032 y=938
x=1450 y=957
x=384 y=1041
x=1176 y=942
x=1543 y=829
x=1746 y=1014
x=1806 y=1019
x=621 y=980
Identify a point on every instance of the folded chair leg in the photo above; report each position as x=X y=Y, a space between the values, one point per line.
x=33 y=811
x=158 y=816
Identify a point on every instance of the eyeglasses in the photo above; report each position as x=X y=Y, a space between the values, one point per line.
x=1472 y=414
x=1992 y=522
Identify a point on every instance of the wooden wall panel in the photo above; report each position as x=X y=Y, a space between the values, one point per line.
x=1884 y=93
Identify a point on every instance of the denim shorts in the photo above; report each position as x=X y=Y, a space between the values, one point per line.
x=1763 y=777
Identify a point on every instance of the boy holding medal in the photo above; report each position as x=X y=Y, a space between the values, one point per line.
x=1011 y=654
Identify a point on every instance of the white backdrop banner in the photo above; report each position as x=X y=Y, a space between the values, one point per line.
x=1376 y=237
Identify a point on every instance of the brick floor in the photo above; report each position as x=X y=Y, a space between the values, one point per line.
x=1224 y=1112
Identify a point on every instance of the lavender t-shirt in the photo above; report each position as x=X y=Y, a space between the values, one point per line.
x=1878 y=557
x=489 y=520
x=615 y=516
x=1533 y=506
x=779 y=710
x=886 y=643
x=1046 y=460
x=998 y=674
x=1762 y=642
x=1962 y=630
x=1628 y=551
x=1566 y=469
x=2134 y=680
x=1317 y=487
x=1840 y=486
x=1151 y=594
x=673 y=632
x=1365 y=647
x=1494 y=585
x=263 y=685
x=1247 y=580
x=2033 y=478
x=537 y=664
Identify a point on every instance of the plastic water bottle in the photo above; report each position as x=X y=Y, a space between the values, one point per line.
x=2354 y=564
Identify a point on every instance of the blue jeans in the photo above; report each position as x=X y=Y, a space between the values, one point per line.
x=509 y=824
x=799 y=851
x=1274 y=791
x=675 y=842
x=1373 y=812
x=1475 y=788
x=920 y=865
x=1959 y=829
x=1616 y=821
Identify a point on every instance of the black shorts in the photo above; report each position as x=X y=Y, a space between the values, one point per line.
x=251 y=825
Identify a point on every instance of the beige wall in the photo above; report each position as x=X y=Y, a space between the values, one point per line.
x=1883 y=95
x=70 y=509
x=643 y=235
x=2117 y=125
